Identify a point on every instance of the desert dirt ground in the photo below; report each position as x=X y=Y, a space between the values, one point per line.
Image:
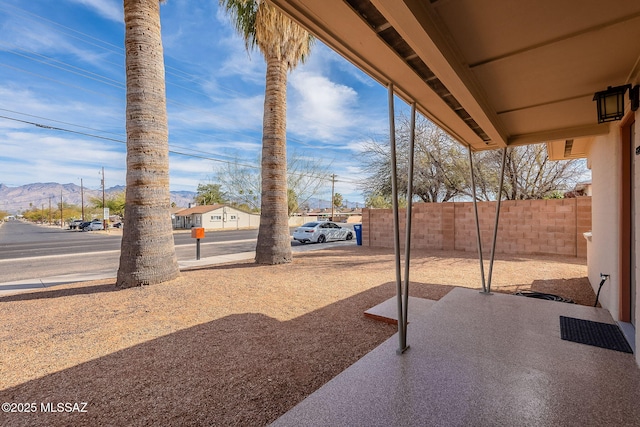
x=234 y=344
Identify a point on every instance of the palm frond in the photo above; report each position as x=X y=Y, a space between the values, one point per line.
x=275 y=34
x=278 y=36
x=243 y=14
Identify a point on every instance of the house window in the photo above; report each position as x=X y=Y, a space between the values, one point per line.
x=216 y=218
x=233 y=217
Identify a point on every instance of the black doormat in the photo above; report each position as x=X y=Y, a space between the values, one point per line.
x=603 y=335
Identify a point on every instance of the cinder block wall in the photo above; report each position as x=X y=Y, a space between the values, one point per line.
x=550 y=227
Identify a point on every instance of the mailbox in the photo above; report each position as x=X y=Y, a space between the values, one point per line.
x=197 y=233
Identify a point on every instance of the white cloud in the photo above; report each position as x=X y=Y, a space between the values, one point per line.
x=108 y=9
x=215 y=90
x=240 y=113
x=36 y=108
x=320 y=107
x=32 y=157
x=238 y=64
x=39 y=41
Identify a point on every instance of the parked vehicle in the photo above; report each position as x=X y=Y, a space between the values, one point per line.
x=82 y=225
x=74 y=224
x=321 y=231
x=93 y=226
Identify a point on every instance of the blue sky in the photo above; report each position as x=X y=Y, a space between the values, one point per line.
x=62 y=65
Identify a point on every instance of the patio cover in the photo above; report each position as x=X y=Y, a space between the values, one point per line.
x=491 y=73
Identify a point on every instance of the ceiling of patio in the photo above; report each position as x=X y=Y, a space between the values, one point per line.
x=494 y=72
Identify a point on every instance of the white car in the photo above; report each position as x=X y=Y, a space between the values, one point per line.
x=94 y=225
x=321 y=231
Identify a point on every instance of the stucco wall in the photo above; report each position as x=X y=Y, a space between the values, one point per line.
x=525 y=227
x=297 y=221
x=225 y=221
x=605 y=211
x=636 y=221
x=604 y=249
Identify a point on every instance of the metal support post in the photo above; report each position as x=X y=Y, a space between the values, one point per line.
x=475 y=209
x=197 y=249
x=495 y=226
x=396 y=221
x=407 y=244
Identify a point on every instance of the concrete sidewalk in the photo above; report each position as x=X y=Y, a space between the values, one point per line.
x=14 y=287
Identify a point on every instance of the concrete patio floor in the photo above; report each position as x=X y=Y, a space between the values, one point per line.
x=482 y=360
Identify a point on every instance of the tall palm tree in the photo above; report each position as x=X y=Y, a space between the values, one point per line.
x=284 y=44
x=148 y=254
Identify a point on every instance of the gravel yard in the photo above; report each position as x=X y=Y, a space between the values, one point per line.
x=235 y=344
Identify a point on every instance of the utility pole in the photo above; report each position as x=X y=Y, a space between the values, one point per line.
x=50 y=210
x=104 y=220
x=333 y=185
x=82 y=198
x=61 y=219
x=42 y=212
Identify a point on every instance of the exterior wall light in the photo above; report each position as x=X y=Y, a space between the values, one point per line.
x=610 y=103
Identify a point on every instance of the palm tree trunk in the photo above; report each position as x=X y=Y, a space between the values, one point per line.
x=274 y=241
x=148 y=254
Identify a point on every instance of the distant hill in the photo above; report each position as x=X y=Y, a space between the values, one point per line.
x=17 y=199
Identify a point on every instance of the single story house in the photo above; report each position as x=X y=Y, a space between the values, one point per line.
x=215 y=217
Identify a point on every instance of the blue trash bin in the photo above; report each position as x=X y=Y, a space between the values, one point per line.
x=358 y=229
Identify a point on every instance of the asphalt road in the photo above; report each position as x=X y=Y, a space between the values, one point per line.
x=21 y=239
x=30 y=251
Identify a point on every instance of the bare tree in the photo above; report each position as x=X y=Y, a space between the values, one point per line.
x=529 y=173
x=439 y=168
x=306 y=177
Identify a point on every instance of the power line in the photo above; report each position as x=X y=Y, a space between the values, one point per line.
x=58 y=121
x=120 y=85
x=55 y=128
x=81 y=71
x=118 y=50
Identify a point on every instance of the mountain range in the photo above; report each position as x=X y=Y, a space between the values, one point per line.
x=15 y=200
x=18 y=199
